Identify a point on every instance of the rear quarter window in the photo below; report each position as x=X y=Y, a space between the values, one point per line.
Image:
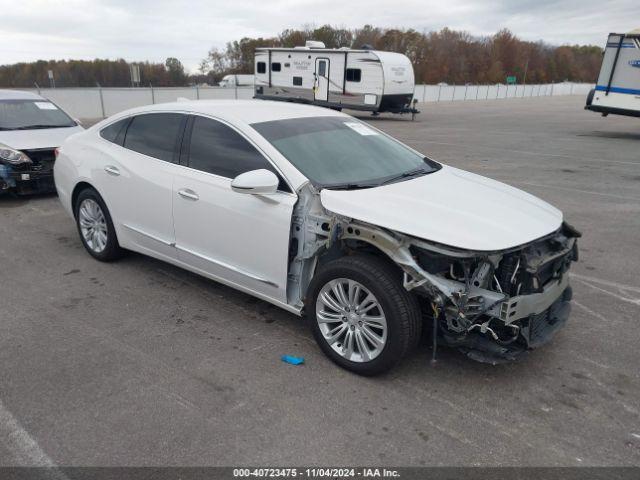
x=114 y=133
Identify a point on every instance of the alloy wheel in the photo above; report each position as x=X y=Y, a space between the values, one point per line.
x=351 y=320
x=93 y=225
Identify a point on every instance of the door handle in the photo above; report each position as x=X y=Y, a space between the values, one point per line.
x=112 y=170
x=188 y=194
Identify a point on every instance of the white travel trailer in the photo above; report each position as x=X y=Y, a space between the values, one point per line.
x=237 y=81
x=618 y=87
x=363 y=79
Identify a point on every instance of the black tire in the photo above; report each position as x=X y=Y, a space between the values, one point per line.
x=401 y=309
x=112 y=250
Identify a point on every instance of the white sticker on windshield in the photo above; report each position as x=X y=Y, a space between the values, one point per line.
x=360 y=128
x=45 y=106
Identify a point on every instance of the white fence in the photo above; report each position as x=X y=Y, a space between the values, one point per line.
x=448 y=93
x=93 y=103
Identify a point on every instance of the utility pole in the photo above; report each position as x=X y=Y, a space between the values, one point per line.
x=524 y=81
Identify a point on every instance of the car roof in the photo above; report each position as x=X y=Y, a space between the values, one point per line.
x=19 y=95
x=247 y=111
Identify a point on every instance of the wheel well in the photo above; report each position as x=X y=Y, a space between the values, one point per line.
x=76 y=191
x=355 y=247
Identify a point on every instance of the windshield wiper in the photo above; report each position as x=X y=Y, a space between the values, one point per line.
x=350 y=186
x=411 y=173
x=34 y=127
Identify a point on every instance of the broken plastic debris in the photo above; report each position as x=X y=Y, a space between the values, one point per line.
x=292 y=360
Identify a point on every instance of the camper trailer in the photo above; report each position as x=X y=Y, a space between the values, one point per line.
x=618 y=87
x=363 y=79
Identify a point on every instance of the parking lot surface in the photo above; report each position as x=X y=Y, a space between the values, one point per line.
x=140 y=363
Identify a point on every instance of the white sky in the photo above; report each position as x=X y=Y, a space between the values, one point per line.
x=155 y=29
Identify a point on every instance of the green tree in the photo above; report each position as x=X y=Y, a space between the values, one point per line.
x=176 y=71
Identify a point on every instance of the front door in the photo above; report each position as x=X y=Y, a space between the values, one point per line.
x=321 y=87
x=238 y=238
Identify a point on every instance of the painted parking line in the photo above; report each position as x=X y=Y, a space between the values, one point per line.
x=23 y=447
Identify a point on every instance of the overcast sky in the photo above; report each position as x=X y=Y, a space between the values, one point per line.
x=155 y=29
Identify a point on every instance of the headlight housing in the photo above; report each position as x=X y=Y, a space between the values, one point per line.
x=11 y=156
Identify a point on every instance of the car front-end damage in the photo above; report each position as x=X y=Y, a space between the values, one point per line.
x=493 y=306
x=26 y=171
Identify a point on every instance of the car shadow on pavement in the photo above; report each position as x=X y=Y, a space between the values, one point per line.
x=614 y=135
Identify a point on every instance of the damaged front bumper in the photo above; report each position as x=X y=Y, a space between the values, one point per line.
x=509 y=302
x=536 y=330
x=30 y=178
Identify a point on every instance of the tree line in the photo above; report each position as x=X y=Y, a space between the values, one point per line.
x=92 y=73
x=450 y=56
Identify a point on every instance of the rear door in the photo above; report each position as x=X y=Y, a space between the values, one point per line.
x=136 y=179
x=238 y=238
x=321 y=88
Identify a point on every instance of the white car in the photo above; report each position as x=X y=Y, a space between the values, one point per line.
x=324 y=215
x=31 y=128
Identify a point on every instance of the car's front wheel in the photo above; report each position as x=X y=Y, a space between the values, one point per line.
x=360 y=314
x=95 y=226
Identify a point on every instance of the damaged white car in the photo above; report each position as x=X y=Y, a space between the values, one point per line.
x=325 y=216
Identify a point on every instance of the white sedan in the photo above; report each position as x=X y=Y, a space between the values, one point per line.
x=326 y=216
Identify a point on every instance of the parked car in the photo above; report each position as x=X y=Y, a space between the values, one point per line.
x=328 y=217
x=230 y=81
x=31 y=128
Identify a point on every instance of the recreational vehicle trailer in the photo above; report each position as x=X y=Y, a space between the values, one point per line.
x=618 y=87
x=364 y=79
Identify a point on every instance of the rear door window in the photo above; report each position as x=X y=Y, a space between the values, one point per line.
x=155 y=135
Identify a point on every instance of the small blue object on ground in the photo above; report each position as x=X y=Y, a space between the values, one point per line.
x=292 y=360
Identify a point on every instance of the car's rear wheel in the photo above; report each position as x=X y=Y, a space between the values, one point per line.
x=360 y=314
x=95 y=226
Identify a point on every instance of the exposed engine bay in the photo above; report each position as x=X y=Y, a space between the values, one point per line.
x=492 y=306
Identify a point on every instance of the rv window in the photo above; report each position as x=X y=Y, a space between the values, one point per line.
x=322 y=68
x=354 y=74
x=276 y=67
x=297 y=81
x=262 y=67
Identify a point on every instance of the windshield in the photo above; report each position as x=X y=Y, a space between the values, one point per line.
x=342 y=152
x=32 y=114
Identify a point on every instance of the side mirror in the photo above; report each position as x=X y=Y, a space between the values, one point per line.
x=258 y=182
